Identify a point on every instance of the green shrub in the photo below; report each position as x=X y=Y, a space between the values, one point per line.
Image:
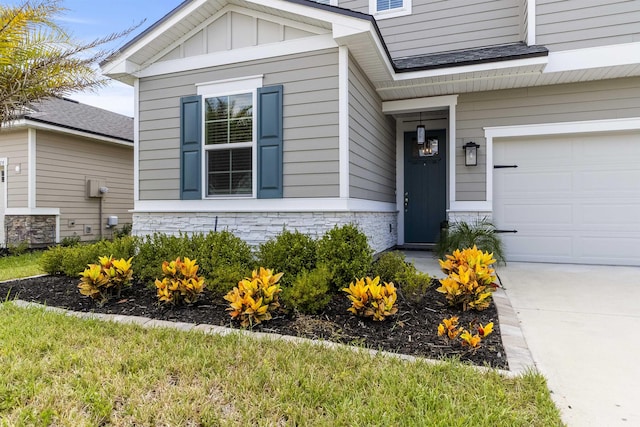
x=153 y=250
x=18 y=248
x=309 y=292
x=123 y=231
x=70 y=241
x=72 y=259
x=346 y=253
x=225 y=277
x=289 y=252
x=392 y=267
x=462 y=235
x=221 y=256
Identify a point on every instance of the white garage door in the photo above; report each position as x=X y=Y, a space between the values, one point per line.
x=572 y=199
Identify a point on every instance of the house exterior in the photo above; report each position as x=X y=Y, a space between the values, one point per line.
x=65 y=169
x=253 y=115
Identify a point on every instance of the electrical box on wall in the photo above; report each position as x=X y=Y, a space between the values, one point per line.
x=96 y=187
x=112 y=221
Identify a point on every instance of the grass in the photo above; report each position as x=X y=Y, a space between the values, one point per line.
x=60 y=370
x=24 y=265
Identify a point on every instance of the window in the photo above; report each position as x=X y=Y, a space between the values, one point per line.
x=382 y=9
x=229 y=144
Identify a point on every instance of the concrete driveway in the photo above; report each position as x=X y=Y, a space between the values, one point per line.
x=582 y=326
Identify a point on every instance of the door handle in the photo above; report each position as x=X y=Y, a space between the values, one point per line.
x=406 y=201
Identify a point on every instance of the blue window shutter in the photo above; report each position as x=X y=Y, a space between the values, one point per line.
x=190 y=147
x=270 y=142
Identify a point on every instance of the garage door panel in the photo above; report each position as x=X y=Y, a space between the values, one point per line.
x=609 y=246
x=611 y=215
x=519 y=246
x=538 y=214
x=572 y=198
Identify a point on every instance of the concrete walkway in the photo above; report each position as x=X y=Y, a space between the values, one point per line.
x=581 y=325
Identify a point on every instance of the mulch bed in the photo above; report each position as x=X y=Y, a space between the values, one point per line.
x=412 y=331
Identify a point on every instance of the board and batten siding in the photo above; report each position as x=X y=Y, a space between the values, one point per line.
x=14 y=146
x=64 y=163
x=372 y=152
x=310 y=150
x=599 y=100
x=577 y=24
x=444 y=25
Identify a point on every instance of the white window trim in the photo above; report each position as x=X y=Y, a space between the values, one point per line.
x=391 y=13
x=228 y=87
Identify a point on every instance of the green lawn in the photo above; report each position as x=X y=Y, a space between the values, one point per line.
x=59 y=370
x=16 y=266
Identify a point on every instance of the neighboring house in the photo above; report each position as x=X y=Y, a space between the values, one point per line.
x=252 y=115
x=65 y=169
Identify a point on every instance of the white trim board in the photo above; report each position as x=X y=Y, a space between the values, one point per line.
x=343 y=119
x=561 y=128
x=531 y=22
x=289 y=47
x=325 y=204
x=31 y=168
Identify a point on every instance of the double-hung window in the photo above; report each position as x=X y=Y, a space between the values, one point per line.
x=231 y=140
x=382 y=9
x=229 y=144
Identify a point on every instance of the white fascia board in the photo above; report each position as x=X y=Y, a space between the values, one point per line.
x=306 y=44
x=413 y=105
x=594 y=57
x=609 y=125
x=474 y=68
x=327 y=204
x=46 y=126
x=162 y=28
x=310 y=11
x=32 y=211
x=119 y=66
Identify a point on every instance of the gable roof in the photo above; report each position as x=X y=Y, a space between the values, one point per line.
x=69 y=114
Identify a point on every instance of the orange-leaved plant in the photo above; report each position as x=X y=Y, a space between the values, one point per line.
x=369 y=298
x=449 y=330
x=470 y=279
x=180 y=283
x=255 y=297
x=100 y=281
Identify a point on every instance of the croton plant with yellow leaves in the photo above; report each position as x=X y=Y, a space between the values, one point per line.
x=450 y=330
x=470 y=279
x=100 y=281
x=180 y=283
x=255 y=297
x=370 y=298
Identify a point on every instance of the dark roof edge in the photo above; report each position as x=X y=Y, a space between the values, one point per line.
x=145 y=32
x=471 y=62
x=352 y=14
x=33 y=119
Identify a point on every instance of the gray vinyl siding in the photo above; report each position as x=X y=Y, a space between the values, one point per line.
x=372 y=153
x=576 y=24
x=310 y=101
x=606 y=99
x=64 y=163
x=444 y=25
x=14 y=146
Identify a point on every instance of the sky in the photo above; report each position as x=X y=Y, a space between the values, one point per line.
x=91 y=19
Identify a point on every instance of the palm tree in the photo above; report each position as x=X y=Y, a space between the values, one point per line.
x=39 y=59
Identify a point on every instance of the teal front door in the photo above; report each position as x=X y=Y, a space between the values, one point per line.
x=425 y=186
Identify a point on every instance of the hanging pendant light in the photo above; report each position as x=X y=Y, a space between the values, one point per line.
x=421 y=132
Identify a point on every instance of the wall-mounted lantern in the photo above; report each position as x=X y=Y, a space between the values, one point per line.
x=471 y=154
